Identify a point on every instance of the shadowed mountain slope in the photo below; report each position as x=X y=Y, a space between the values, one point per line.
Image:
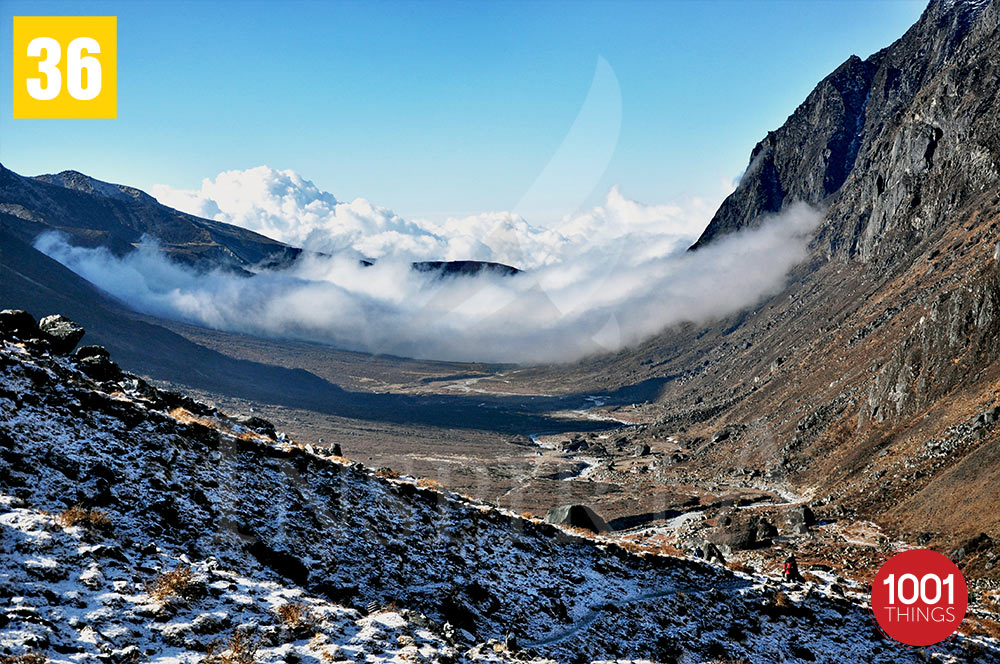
x=193 y=526
x=95 y=213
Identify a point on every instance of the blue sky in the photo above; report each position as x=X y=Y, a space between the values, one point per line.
x=438 y=109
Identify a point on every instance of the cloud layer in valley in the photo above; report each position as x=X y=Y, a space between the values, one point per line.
x=603 y=279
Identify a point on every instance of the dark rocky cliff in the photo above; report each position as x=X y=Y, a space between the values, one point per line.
x=808 y=158
x=892 y=144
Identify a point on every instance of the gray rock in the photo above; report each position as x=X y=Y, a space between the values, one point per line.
x=766 y=530
x=100 y=369
x=84 y=352
x=62 y=334
x=577 y=516
x=211 y=623
x=800 y=514
x=735 y=537
x=711 y=553
x=18 y=323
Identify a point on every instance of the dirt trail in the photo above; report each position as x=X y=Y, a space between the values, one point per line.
x=594 y=613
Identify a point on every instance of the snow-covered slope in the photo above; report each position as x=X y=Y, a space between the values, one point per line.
x=213 y=524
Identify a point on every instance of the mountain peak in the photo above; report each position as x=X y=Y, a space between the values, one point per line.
x=78 y=181
x=867 y=137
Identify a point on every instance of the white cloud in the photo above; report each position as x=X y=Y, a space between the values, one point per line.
x=288 y=208
x=610 y=278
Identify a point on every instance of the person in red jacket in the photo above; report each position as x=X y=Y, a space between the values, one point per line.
x=791 y=571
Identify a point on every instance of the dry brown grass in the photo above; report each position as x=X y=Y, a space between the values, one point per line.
x=990 y=602
x=295 y=615
x=240 y=649
x=78 y=516
x=185 y=416
x=28 y=658
x=981 y=627
x=253 y=437
x=811 y=578
x=428 y=483
x=633 y=547
x=175 y=583
x=782 y=601
x=665 y=549
x=387 y=473
x=738 y=566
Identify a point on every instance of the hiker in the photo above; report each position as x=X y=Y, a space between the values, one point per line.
x=791 y=572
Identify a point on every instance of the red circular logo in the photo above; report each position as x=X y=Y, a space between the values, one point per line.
x=919 y=597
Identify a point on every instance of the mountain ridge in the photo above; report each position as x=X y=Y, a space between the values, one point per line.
x=94 y=213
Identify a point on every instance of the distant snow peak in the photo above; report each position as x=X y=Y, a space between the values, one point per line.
x=283 y=205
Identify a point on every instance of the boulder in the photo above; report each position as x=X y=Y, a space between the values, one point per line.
x=800 y=514
x=100 y=369
x=735 y=538
x=62 y=334
x=577 y=516
x=722 y=435
x=987 y=417
x=978 y=544
x=711 y=553
x=18 y=323
x=766 y=530
x=259 y=425
x=83 y=352
x=642 y=450
x=575 y=446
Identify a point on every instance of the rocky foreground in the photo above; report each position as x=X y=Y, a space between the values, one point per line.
x=139 y=525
